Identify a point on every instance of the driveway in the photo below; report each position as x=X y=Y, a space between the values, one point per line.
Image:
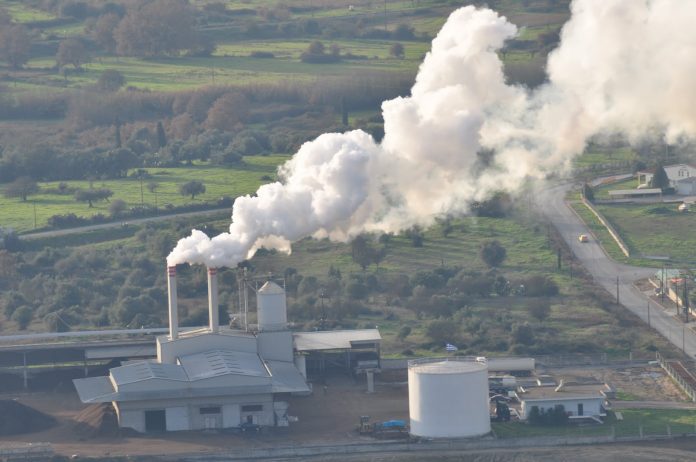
x=605 y=271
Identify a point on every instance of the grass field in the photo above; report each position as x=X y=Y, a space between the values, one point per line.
x=218 y=181
x=655 y=230
x=653 y=422
x=231 y=64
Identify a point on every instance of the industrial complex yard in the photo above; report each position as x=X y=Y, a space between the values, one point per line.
x=330 y=417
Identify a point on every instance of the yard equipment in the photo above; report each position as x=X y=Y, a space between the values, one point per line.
x=386 y=429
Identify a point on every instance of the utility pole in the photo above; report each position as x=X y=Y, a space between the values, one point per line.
x=617 y=290
x=685 y=300
x=34 y=203
x=664 y=282
x=142 y=198
x=649 y=313
x=559 y=259
x=683 y=339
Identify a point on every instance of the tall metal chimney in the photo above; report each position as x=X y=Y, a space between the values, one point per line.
x=213 y=309
x=173 y=313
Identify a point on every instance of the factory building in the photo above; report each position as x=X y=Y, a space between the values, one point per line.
x=217 y=377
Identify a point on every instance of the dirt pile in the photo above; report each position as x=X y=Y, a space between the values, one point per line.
x=17 y=418
x=97 y=420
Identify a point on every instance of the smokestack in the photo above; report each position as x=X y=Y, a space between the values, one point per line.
x=213 y=314
x=173 y=313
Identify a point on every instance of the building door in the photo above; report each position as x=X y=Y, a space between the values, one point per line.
x=155 y=421
x=580 y=409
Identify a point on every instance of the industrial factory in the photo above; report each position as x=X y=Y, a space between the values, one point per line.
x=218 y=377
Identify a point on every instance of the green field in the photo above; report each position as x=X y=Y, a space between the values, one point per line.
x=218 y=181
x=653 y=422
x=655 y=230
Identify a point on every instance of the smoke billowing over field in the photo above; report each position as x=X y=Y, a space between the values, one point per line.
x=621 y=67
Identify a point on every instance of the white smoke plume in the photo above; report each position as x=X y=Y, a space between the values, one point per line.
x=621 y=66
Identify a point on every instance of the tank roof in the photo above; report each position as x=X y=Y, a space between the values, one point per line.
x=447 y=366
x=271 y=288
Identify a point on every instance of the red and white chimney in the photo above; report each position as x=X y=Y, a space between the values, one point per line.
x=213 y=309
x=173 y=309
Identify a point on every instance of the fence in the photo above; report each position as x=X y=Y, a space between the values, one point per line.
x=614 y=234
x=679 y=374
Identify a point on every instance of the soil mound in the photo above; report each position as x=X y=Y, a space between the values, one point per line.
x=97 y=420
x=17 y=418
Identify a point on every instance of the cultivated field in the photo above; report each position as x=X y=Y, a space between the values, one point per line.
x=218 y=181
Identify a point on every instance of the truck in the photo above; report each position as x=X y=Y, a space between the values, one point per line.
x=388 y=429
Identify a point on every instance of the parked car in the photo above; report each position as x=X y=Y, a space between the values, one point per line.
x=583 y=238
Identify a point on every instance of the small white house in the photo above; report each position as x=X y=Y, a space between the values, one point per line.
x=579 y=401
x=682 y=177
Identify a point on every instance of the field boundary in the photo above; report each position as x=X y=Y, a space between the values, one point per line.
x=612 y=232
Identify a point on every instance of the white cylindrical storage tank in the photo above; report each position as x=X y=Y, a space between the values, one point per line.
x=448 y=398
x=271 y=311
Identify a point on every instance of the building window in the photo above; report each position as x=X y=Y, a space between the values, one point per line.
x=252 y=408
x=210 y=410
x=581 y=410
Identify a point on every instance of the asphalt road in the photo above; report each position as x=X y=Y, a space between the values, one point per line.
x=605 y=271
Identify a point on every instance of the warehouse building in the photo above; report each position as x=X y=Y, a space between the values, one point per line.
x=217 y=377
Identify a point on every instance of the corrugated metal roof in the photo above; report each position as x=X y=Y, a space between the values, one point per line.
x=95 y=390
x=145 y=370
x=215 y=363
x=335 y=339
x=286 y=378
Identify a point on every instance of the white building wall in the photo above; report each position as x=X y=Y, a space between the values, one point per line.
x=134 y=419
x=231 y=416
x=177 y=418
x=184 y=414
x=591 y=406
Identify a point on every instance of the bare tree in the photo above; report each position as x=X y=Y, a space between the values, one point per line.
x=15 y=42
x=21 y=187
x=159 y=28
x=71 y=51
x=228 y=110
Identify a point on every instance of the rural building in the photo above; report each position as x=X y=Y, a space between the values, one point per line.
x=579 y=401
x=682 y=177
x=220 y=377
x=634 y=193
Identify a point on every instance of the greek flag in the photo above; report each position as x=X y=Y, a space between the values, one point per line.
x=450 y=347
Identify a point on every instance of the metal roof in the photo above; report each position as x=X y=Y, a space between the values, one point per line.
x=95 y=390
x=215 y=363
x=635 y=192
x=286 y=378
x=145 y=370
x=334 y=339
x=271 y=288
x=569 y=391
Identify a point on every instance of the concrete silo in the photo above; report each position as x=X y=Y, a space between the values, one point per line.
x=448 y=398
x=271 y=307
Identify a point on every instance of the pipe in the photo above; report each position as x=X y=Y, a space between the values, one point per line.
x=213 y=306
x=173 y=309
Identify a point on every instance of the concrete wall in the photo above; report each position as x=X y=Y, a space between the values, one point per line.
x=275 y=346
x=591 y=406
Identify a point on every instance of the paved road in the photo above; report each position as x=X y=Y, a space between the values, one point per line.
x=605 y=271
x=118 y=224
